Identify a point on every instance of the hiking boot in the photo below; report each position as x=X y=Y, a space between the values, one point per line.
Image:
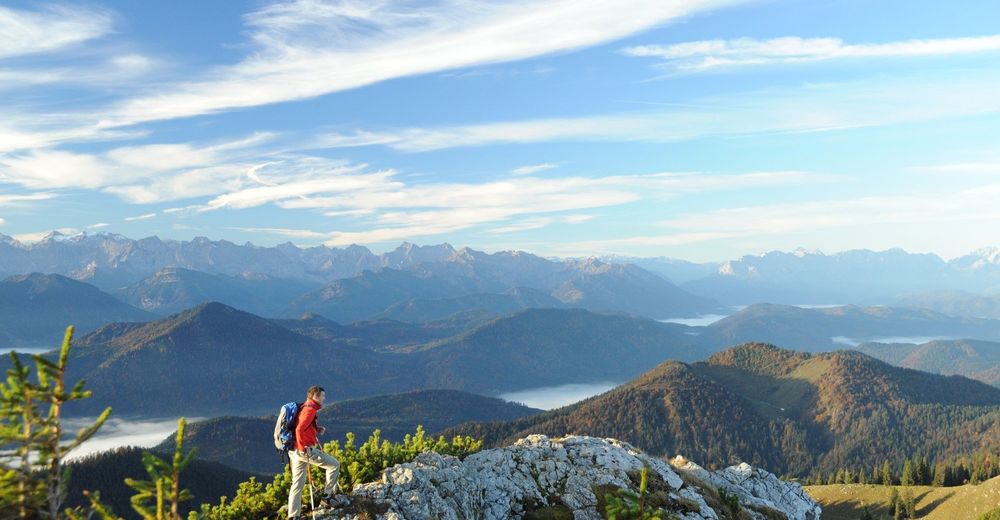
x=334 y=501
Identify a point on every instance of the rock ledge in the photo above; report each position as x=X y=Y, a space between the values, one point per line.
x=539 y=477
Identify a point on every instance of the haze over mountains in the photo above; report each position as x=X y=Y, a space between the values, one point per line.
x=35 y=309
x=214 y=359
x=811 y=277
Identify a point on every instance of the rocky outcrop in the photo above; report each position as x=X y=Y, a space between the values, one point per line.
x=539 y=477
x=755 y=488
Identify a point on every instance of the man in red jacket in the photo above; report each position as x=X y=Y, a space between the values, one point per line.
x=309 y=451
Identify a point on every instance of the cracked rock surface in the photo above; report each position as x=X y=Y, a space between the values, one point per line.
x=539 y=476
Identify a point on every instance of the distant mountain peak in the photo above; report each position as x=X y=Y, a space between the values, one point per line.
x=802 y=252
x=988 y=255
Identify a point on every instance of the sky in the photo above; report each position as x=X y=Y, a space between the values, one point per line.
x=694 y=129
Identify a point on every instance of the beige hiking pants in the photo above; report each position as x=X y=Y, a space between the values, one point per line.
x=300 y=464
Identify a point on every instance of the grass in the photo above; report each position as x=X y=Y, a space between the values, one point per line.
x=845 y=501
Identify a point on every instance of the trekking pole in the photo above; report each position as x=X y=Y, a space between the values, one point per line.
x=312 y=503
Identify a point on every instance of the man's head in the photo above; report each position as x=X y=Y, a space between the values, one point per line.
x=316 y=393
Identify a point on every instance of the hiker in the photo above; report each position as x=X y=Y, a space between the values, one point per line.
x=309 y=451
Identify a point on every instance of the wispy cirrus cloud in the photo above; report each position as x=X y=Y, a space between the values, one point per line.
x=540 y=222
x=26 y=197
x=146 y=216
x=390 y=209
x=533 y=168
x=802 y=109
x=699 y=56
x=105 y=72
x=49 y=28
x=307 y=48
x=138 y=174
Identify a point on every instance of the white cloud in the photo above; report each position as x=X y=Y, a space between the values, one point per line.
x=34 y=132
x=11 y=199
x=704 y=55
x=49 y=29
x=809 y=108
x=295 y=233
x=2 y=221
x=139 y=174
x=308 y=48
x=147 y=216
x=389 y=209
x=110 y=72
x=540 y=222
x=303 y=179
x=533 y=168
x=98 y=225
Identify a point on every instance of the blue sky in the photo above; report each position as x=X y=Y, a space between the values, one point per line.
x=698 y=129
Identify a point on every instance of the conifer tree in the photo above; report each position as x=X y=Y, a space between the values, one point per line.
x=907 y=478
x=940 y=475
x=886 y=474
x=35 y=480
x=926 y=475
x=164 y=482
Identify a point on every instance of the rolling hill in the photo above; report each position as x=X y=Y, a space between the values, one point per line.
x=974 y=359
x=36 y=308
x=174 y=289
x=547 y=347
x=432 y=309
x=835 y=327
x=791 y=412
x=955 y=303
x=215 y=360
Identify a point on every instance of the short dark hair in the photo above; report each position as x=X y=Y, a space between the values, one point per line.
x=314 y=391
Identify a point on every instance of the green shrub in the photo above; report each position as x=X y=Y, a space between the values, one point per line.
x=358 y=464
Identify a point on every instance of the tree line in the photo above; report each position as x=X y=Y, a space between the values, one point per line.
x=917 y=471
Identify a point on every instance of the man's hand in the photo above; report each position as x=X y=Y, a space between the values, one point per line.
x=321 y=430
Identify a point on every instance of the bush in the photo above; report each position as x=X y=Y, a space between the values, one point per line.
x=358 y=464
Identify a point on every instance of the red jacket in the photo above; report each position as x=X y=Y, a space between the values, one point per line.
x=305 y=426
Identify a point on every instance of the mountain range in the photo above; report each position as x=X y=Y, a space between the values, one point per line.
x=134 y=269
x=216 y=360
x=802 y=276
x=863 y=277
